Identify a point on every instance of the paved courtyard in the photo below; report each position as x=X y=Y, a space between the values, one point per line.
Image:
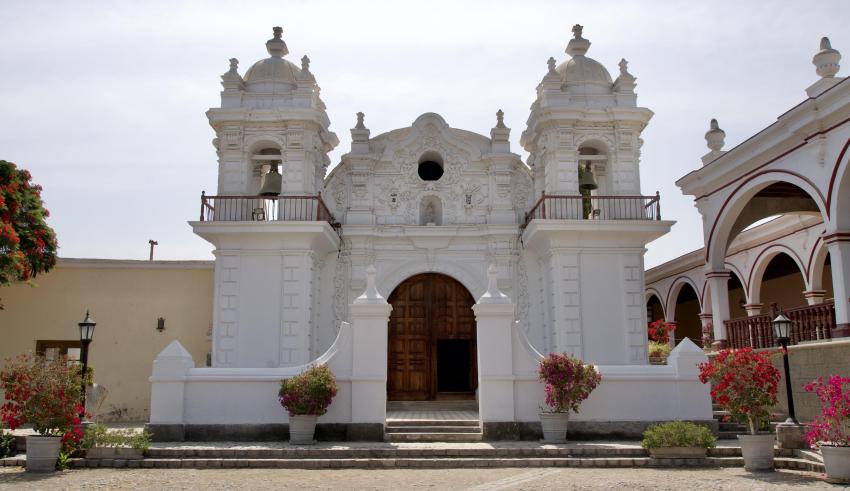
x=450 y=479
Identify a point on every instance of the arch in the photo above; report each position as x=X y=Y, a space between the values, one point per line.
x=653 y=298
x=720 y=234
x=762 y=261
x=474 y=283
x=838 y=195
x=705 y=298
x=675 y=289
x=817 y=265
x=686 y=308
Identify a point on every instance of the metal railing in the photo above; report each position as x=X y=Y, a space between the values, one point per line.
x=810 y=323
x=577 y=207
x=265 y=209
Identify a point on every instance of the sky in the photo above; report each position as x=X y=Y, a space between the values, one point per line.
x=104 y=102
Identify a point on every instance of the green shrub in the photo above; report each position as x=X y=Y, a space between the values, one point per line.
x=678 y=434
x=7 y=444
x=97 y=435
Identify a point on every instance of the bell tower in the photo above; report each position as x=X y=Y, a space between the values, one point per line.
x=584 y=128
x=271 y=121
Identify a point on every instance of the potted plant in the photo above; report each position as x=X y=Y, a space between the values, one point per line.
x=745 y=383
x=46 y=394
x=102 y=443
x=830 y=431
x=307 y=396
x=568 y=381
x=678 y=440
x=659 y=331
x=658 y=352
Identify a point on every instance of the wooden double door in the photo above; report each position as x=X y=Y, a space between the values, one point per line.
x=431 y=350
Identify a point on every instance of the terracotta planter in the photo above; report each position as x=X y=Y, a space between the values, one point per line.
x=42 y=453
x=678 y=452
x=124 y=453
x=837 y=463
x=554 y=427
x=757 y=451
x=301 y=429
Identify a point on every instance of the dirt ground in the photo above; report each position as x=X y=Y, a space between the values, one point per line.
x=451 y=479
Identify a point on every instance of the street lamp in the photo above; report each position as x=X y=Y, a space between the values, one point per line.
x=782 y=329
x=86 y=335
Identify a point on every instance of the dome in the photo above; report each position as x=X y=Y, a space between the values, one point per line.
x=583 y=70
x=273 y=74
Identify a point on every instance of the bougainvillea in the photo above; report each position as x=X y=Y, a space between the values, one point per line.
x=743 y=382
x=308 y=393
x=568 y=381
x=832 y=426
x=43 y=393
x=659 y=331
x=27 y=245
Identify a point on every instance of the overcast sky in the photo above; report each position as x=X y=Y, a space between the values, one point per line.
x=104 y=101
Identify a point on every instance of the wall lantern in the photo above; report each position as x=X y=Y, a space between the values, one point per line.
x=160 y=324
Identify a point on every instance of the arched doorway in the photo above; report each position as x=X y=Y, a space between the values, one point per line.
x=686 y=315
x=431 y=351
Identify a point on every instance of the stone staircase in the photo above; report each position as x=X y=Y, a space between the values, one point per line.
x=433 y=421
x=423 y=455
x=729 y=430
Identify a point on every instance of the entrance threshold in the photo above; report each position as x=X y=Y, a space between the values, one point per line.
x=433 y=421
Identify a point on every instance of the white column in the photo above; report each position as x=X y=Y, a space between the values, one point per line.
x=370 y=314
x=494 y=314
x=718 y=281
x=839 y=256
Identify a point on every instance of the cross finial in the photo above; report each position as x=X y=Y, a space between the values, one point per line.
x=360 y=117
x=577 y=31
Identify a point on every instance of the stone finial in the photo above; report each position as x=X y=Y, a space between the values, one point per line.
x=715 y=137
x=551 y=63
x=493 y=294
x=360 y=118
x=624 y=67
x=231 y=78
x=305 y=63
x=500 y=119
x=234 y=65
x=578 y=45
x=371 y=295
x=826 y=60
x=276 y=46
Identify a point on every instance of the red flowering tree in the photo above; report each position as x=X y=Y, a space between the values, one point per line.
x=43 y=393
x=743 y=382
x=659 y=331
x=568 y=381
x=27 y=245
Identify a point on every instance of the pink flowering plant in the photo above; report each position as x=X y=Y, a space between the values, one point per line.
x=308 y=393
x=568 y=381
x=832 y=427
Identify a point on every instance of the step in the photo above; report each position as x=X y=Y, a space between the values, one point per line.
x=433 y=429
x=432 y=406
x=433 y=437
x=432 y=422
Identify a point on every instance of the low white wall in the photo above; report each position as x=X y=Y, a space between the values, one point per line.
x=182 y=394
x=626 y=393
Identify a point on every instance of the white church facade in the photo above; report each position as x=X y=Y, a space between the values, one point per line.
x=431 y=263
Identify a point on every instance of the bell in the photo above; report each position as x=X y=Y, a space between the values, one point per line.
x=586 y=181
x=271 y=183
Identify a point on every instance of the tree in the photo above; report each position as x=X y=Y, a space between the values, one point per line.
x=27 y=244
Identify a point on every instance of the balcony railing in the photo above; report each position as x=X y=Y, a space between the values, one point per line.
x=550 y=207
x=810 y=323
x=265 y=209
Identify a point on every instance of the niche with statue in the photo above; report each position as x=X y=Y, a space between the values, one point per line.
x=431 y=211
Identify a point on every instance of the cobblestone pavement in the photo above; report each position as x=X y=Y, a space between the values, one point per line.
x=450 y=479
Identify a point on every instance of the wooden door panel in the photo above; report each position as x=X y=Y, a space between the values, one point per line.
x=426 y=308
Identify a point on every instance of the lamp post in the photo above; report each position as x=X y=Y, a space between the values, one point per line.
x=782 y=329
x=86 y=335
